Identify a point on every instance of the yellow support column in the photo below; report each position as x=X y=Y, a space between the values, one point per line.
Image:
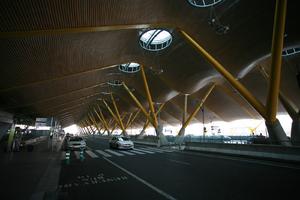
x=132 y=120
x=148 y=94
x=118 y=114
x=138 y=103
x=276 y=132
x=110 y=111
x=276 y=59
x=256 y=104
x=102 y=120
x=186 y=123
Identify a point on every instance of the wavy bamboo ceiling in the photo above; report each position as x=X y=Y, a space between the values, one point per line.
x=57 y=56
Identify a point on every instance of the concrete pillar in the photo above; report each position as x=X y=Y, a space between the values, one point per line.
x=11 y=138
x=162 y=140
x=142 y=133
x=277 y=134
x=124 y=133
x=295 y=132
x=180 y=137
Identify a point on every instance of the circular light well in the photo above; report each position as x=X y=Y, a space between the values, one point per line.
x=114 y=82
x=155 y=39
x=204 y=3
x=129 y=67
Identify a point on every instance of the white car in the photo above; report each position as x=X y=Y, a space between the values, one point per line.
x=121 y=142
x=76 y=143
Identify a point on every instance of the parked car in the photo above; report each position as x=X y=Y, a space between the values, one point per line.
x=121 y=142
x=76 y=143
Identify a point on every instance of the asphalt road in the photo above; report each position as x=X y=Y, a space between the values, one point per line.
x=151 y=173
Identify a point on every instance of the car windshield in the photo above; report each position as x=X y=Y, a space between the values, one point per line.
x=76 y=139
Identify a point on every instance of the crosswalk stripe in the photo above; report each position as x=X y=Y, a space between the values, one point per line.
x=137 y=152
x=77 y=154
x=128 y=153
x=151 y=152
x=92 y=154
x=103 y=153
x=113 y=152
x=163 y=150
x=155 y=150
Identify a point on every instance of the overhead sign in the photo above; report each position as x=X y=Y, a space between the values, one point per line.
x=42 y=122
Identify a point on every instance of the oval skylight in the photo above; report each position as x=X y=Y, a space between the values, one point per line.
x=114 y=82
x=155 y=39
x=130 y=67
x=291 y=51
x=204 y=3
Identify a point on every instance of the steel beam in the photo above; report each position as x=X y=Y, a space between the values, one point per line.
x=276 y=60
x=254 y=102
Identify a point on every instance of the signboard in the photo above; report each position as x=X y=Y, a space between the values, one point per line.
x=43 y=122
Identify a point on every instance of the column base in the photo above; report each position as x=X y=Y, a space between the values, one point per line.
x=277 y=134
x=295 y=132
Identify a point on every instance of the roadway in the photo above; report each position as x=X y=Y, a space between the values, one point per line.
x=152 y=173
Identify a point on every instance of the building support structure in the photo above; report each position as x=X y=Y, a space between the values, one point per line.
x=180 y=137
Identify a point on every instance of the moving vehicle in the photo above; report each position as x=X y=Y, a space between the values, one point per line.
x=121 y=142
x=76 y=143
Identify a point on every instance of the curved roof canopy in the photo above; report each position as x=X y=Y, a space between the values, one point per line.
x=61 y=58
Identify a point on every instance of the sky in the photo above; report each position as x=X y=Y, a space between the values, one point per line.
x=238 y=127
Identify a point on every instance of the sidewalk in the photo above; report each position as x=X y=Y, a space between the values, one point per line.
x=28 y=175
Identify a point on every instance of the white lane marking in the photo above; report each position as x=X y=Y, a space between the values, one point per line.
x=141 y=180
x=128 y=153
x=77 y=154
x=103 y=153
x=144 y=151
x=241 y=160
x=179 y=162
x=137 y=152
x=63 y=155
x=113 y=152
x=92 y=154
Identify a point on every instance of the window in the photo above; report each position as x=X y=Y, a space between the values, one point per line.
x=204 y=3
x=291 y=51
x=155 y=39
x=129 y=67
